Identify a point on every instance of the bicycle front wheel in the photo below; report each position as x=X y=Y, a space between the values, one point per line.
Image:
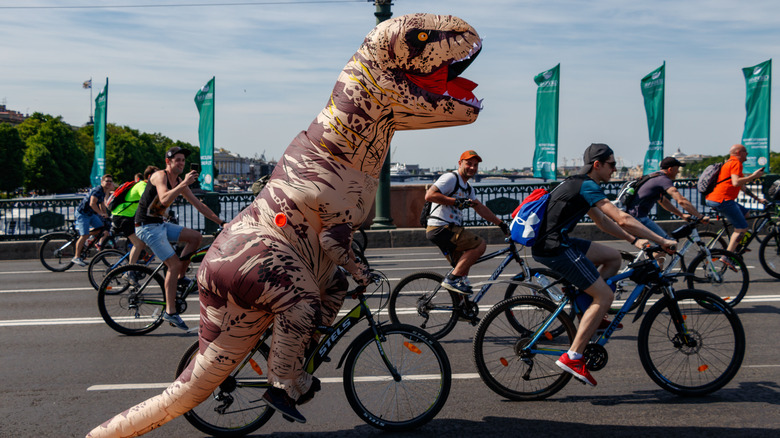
x=421 y=301
x=728 y=282
x=769 y=254
x=501 y=353
x=57 y=251
x=418 y=391
x=702 y=358
x=236 y=408
x=137 y=307
x=102 y=264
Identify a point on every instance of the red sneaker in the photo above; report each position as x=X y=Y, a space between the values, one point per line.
x=576 y=368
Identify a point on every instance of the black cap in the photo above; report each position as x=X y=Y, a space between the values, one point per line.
x=595 y=152
x=670 y=162
x=177 y=150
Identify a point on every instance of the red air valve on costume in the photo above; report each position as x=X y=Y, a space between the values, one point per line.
x=280 y=219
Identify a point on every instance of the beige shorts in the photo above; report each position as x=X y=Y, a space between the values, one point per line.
x=453 y=241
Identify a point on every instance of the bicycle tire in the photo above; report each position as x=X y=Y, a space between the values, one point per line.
x=769 y=254
x=57 y=251
x=498 y=353
x=401 y=405
x=712 y=240
x=733 y=285
x=420 y=300
x=101 y=265
x=236 y=408
x=361 y=239
x=692 y=370
x=138 y=308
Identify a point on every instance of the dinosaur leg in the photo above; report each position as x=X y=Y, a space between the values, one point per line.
x=235 y=331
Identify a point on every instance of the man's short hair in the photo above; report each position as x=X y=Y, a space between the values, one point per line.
x=108 y=175
x=149 y=171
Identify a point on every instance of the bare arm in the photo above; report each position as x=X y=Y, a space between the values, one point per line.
x=166 y=195
x=682 y=201
x=626 y=222
x=485 y=212
x=740 y=181
x=200 y=206
x=434 y=195
x=99 y=207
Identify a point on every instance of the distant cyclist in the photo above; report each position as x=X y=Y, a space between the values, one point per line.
x=450 y=194
x=583 y=263
x=123 y=216
x=163 y=188
x=724 y=197
x=659 y=188
x=92 y=216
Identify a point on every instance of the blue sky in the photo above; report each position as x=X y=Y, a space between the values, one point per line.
x=275 y=66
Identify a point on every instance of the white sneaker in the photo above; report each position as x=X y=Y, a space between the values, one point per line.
x=78 y=261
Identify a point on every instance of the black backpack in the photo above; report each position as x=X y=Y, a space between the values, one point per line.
x=428 y=207
x=627 y=193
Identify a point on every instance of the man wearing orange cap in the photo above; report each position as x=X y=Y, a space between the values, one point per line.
x=450 y=194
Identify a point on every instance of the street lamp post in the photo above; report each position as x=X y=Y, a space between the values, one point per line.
x=382 y=219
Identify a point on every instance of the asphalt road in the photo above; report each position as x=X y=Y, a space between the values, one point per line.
x=64 y=371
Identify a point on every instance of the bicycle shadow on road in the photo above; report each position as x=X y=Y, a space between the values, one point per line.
x=752 y=392
x=513 y=426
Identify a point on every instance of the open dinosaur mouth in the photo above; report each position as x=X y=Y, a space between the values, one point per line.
x=446 y=81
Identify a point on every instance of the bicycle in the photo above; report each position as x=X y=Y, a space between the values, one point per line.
x=764 y=222
x=730 y=284
x=396 y=377
x=131 y=298
x=58 y=248
x=420 y=300
x=109 y=259
x=690 y=342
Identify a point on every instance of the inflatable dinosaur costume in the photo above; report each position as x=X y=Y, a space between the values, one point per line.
x=276 y=262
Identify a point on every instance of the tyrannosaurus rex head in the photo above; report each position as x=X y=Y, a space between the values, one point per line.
x=417 y=60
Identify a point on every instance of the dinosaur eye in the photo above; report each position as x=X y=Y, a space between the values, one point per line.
x=422 y=36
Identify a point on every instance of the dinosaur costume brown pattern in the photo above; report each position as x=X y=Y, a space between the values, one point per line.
x=276 y=262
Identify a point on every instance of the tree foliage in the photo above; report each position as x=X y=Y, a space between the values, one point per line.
x=12 y=161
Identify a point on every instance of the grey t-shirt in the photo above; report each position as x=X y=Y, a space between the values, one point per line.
x=649 y=193
x=448 y=214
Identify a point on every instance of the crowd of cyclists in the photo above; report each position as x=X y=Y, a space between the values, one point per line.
x=582 y=263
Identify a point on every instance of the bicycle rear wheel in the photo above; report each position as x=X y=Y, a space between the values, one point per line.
x=420 y=300
x=731 y=284
x=412 y=400
x=236 y=408
x=769 y=254
x=56 y=252
x=500 y=342
x=702 y=359
x=712 y=240
x=138 y=306
x=103 y=263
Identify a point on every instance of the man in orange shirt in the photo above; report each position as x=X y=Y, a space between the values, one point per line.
x=730 y=182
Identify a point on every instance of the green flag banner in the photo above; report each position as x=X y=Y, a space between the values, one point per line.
x=99 y=136
x=204 y=100
x=546 y=152
x=755 y=137
x=653 y=94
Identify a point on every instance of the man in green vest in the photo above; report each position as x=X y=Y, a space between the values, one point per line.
x=123 y=215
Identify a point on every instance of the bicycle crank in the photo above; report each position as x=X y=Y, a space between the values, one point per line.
x=596 y=357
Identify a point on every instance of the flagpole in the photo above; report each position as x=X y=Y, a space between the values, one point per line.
x=92 y=121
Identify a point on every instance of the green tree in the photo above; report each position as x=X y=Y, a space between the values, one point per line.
x=12 y=162
x=69 y=167
x=40 y=169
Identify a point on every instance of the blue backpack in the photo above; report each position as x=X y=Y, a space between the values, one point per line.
x=528 y=217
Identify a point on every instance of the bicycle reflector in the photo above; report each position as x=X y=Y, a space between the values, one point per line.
x=255 y=367
x=703 y=368
x=280 y=219
x=412 y=348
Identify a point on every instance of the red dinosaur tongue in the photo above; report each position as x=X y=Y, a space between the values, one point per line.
x=436 y=82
